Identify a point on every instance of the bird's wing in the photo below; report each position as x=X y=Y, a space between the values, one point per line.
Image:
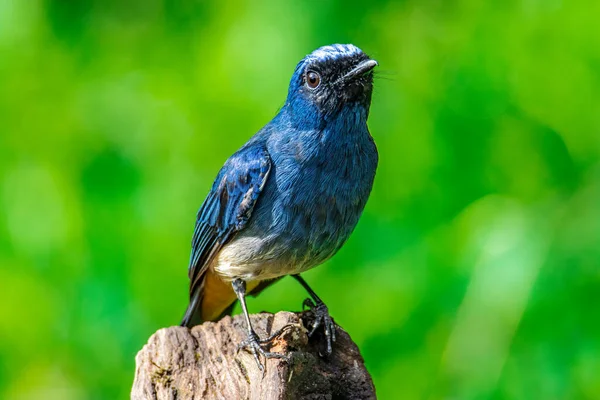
x=226 y=210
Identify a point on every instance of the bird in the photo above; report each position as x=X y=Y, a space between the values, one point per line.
x=290 y=197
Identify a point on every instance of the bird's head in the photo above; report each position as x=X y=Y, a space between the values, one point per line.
x=332 y=79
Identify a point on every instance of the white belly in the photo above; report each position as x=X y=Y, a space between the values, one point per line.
x=245 y=258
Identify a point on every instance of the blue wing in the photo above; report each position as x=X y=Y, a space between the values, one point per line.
x=225 y=211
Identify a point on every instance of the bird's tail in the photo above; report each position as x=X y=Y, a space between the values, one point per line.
x=212 y=299
x=192 y=315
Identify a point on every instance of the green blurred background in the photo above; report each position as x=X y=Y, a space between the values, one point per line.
x=475 y=270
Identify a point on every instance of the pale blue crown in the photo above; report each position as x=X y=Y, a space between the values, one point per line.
x=334 y=51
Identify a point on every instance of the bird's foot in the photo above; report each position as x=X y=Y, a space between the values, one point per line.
x=323 y=318
x=253 y=345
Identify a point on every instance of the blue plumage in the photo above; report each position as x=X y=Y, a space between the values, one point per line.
x=291 y=196
x=228 y=206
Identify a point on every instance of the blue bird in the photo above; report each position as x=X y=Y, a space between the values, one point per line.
x=289 y=198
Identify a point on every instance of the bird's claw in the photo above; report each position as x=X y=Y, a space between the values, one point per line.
x=322 y=317
x=253 y=345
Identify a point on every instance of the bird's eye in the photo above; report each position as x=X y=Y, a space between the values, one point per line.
x=313 y=79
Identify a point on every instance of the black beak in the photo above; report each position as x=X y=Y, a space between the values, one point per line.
x=360 y=69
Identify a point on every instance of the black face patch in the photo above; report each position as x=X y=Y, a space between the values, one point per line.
x=335 y=89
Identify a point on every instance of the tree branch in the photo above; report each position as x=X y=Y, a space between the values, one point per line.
x=203 y=363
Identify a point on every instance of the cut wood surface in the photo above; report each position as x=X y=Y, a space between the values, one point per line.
x=204 y=363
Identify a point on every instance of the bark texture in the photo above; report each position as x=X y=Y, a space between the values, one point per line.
x=203 y=363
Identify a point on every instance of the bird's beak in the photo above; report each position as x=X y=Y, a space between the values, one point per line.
x=360 y=69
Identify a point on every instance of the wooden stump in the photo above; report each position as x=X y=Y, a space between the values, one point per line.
x=203 y=363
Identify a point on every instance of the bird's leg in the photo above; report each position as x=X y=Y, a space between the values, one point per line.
x=321 y=312
x=253 y=342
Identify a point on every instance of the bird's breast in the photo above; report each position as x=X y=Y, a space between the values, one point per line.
x=319 y=193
